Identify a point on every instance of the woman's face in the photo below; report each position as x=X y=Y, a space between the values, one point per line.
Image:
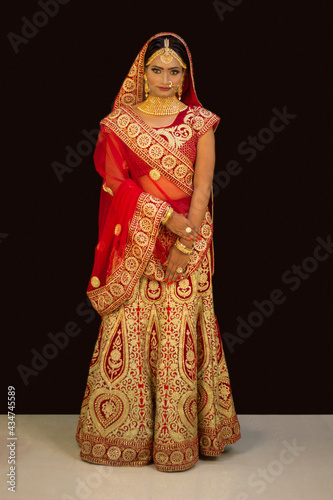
x=159 y=75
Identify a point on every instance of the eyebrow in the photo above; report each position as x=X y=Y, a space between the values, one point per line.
x=159 y=67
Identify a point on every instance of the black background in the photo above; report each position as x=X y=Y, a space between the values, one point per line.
x=262 y=55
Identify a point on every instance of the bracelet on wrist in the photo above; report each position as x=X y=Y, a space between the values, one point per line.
x=182 y=248
x=167 y=215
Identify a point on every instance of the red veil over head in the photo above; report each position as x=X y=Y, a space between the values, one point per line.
x=131 y=91
x=137 y=189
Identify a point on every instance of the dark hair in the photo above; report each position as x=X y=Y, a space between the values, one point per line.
x=174 y=43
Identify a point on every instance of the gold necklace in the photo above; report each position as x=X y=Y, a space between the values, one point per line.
x=154 y=105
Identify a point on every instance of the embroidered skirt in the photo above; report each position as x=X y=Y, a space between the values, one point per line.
x=158 y=385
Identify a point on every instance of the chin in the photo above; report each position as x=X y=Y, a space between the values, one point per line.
x=162 y=93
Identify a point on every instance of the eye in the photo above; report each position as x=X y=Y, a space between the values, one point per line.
x=155 y=70
x=174 y=72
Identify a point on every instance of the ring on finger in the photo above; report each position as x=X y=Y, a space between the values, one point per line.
x=188 y=230
x=180 y=270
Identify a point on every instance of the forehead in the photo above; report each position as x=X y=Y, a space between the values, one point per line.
x=158 y=62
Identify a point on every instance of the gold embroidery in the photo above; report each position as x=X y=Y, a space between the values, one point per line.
x=133 y=70
x=133 y=130
x=169 y=357
x=156 y=152
x=141 y=239
x=194 y=258
x=108 y=410
x=107 y=189
x=125 y=278
x=154 y=174
x=117 y=230
x=226 y=432
x=154 y=290
x=176 y=457
x=146 y=225
x=129 y=454
x=103 y=299
x=95 y=282
x=159 y=274
x=206 y=230
x=98 y=450
x=128 y=85
x=200 y=245
x=150 y=268
x=205 y=442
x=131 y=264
x=123 y=121
x=208 y=217
x=198 y=123
x=117 y=289
x=161 y=457
x=86 y=447
x=114 y=452
x=200 y=119
x=149 y=209
x=128 y=99
x=180 y=171
x=188 y=411
x=144 y=140
x=169 y=161
x=137 y=252
x=176 y=136
x=184 y=289
x=204 y=112
x=188 y=179
x=114 y=113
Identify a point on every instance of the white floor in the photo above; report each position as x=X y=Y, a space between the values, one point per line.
x=280 y=457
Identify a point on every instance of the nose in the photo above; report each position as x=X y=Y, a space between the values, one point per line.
x=165 y=79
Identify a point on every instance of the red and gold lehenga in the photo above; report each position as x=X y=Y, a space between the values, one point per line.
x=158 y=385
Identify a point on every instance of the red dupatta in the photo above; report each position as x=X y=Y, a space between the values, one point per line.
x=140 y=181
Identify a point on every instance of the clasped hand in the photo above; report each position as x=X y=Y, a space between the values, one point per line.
x=178 y=224
x=177 y=259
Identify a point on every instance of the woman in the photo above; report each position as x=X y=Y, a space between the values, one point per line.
x=158 y=385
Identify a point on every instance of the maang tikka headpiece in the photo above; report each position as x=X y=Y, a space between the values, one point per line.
x=166 y=55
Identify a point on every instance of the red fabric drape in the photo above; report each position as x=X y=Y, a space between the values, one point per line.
x=127 y=188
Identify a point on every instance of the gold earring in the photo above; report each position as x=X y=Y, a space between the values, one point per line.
x=147 y=89
x=180 y=88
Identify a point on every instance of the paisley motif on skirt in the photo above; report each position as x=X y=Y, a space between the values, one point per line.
x=158 y=386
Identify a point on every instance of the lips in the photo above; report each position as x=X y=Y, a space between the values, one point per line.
x=164 y=88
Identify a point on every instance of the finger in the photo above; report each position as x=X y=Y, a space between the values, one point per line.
x=188 y=236
x=168 y=274
x=171 y=272
x=191 y=237
x=193 y=234
x=172 y=278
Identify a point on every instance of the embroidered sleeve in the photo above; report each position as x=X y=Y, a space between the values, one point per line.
x=203 y=120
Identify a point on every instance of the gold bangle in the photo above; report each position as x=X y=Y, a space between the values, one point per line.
x=182 y=248
x=167 y=215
